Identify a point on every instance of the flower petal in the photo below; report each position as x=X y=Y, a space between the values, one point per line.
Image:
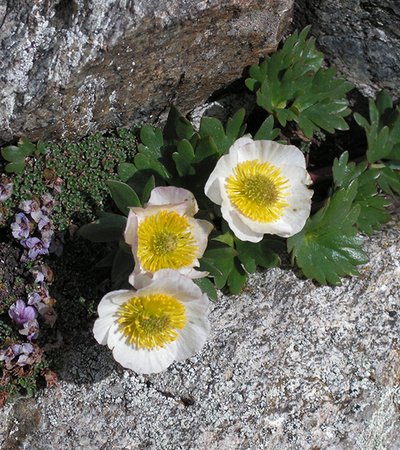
x=101 y=328
x=142 y=360
x=240 y=229
x=192 y=338
x=166 y=195
x=130 y=233
x=110 y=303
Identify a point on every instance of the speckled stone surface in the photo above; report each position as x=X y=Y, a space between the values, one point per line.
x=289 y=365
x=72 y=67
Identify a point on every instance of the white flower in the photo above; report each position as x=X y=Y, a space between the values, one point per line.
x=165 y=235
x=164 y=321
x=262 y=188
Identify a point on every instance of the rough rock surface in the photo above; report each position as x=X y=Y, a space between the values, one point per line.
x=289 y=365
x=70 y=67
x=361 y=37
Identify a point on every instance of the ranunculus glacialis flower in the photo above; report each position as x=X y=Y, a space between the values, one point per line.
x=262 y=187
x=148 y=329
x=165 y=235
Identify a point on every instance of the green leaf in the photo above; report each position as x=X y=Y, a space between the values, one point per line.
x=15 y=167
x=253 y=254
x=41 y=148
x=225 y=238
x=219 y=262
x=205 y=148
x=389 y=180
x=383 y=101
x=149 y=186
x=177 y=126
x=237 y=277
x=184 y=157
x=108 y=228
x=293 y=86
x=207 y=287
x=126 y=171
x=373 y=206
x=234 y=125
x=13 y=154
x=328 y=246
x=344 y=172
x=123 y=195
x=122 y=267
x=267 y=130
x=152 y=138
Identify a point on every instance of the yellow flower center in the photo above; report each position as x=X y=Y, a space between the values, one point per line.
x=165 y=241
x=257 y=189
x=152 y=321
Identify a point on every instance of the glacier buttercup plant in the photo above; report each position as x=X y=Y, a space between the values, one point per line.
x=262 y=187
x=162 y=322
x=165 y=235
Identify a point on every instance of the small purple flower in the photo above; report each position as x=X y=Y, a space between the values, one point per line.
x=30 y=329
x=21 y=227
x=20 y=313
x=48 y=203
x=34 y=298
x=41 y=273
x=22 y=351
x=46 y=228
x=32 y=207
x=6 y=190
x=36 y=247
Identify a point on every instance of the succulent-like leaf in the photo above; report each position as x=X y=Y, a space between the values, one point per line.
x=123 y=195
x=107 y=228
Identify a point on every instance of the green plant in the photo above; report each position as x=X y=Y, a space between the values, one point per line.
x=75 y=173
x=293 y=85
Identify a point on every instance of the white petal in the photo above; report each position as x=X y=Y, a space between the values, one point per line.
x=237 y=225
x=193 y=273
x=173 y=283
x=130 y=233
x=140 y=279
x=279 y=154
x=215 y=182
x=192 y=338
x=142 y=360
x=101 y=328
x=110 y=303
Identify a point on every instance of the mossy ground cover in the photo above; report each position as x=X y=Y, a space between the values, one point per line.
x=75 y=174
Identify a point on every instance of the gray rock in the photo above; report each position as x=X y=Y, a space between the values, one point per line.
x=71 y=67
x=289 y=365
x=361 y=37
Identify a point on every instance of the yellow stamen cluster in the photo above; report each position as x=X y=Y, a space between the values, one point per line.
x=165 y=241
x=257 y=190
x=152 y=321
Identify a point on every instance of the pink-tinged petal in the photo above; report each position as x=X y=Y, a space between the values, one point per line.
x=167 y=195
x=130 y=233
x=201 y=231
